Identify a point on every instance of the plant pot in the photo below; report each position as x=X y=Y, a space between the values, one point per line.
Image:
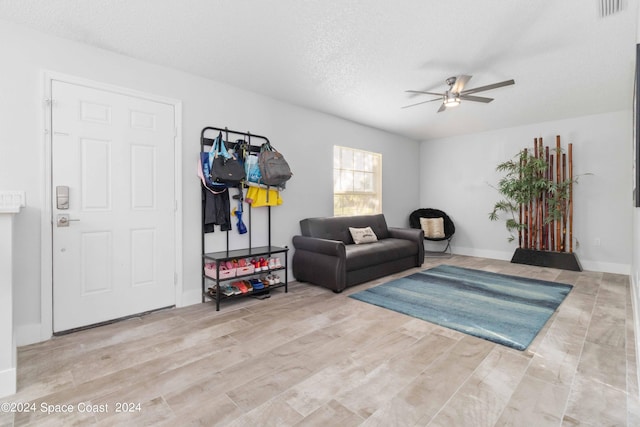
x=561 y=260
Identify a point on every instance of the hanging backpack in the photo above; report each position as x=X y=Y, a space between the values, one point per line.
x=274 y=169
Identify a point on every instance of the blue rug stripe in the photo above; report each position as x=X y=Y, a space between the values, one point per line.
x=466 y=293
x=494 y=285
x=508 y=310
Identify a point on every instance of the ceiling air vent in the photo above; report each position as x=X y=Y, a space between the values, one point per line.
x=610 y=7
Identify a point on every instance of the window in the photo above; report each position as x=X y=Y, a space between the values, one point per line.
x=357 y=179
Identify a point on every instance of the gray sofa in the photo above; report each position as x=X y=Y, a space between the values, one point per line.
x=326 y=255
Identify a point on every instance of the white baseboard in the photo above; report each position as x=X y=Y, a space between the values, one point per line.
x=482 y=253
x=606 y=267
x=7 y=382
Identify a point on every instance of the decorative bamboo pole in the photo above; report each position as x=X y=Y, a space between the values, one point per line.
x=552 y=244
x=563 y=246
x=521 y=242
x=545 y=235
x=570 y=197
x=534 y=206
x=558 y=180
x=539 y=203
x=526 y=214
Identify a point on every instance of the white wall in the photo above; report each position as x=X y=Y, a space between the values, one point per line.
x=305 y=137
x=457 y=172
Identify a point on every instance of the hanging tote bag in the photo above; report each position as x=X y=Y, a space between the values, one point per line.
x=252 y=169
x=273 y=167
x=225 y=168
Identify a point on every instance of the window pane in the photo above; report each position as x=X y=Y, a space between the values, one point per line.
x=359 y=160
x=346 y=180
x=368 y=183
x=346 y=161
x=336 y=180
x=358 y=181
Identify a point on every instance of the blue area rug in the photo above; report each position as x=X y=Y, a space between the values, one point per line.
x=508 y=310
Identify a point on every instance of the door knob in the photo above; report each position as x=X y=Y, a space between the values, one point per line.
x=63 y=220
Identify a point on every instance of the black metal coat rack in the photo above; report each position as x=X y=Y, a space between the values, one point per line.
x=246 y=136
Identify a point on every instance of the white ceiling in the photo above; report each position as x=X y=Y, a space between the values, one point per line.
x=355 y=58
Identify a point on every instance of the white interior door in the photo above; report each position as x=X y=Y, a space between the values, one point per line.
x=114 y=254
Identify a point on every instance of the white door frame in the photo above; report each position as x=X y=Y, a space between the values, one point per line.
x=46 y=227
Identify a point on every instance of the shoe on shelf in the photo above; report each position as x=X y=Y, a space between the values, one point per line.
x=248 y=285
x=278 y=263
x=256 y=265
x=265 y=280
x=264 y=264
x=242 y=262
x=257 y=284
x=240 y=285
x=227 y=290
x=275 y=278
x=272 y=263
x=236 y=290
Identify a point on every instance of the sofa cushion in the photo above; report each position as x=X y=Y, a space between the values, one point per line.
x=363 y=235
x=362 y=256
x=337 y=227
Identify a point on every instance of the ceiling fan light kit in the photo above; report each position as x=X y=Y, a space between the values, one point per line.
x=451 y=99
x=455 y=94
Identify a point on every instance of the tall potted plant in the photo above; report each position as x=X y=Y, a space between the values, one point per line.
x=537 y=198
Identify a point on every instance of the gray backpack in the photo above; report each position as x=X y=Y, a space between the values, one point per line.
x=273 y=167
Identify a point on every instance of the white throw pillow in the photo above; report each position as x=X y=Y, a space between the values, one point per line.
x=433 y=227
x=363 y=235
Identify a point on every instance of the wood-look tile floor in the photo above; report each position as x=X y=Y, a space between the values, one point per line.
x=312 y=357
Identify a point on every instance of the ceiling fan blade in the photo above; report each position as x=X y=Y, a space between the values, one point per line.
x=488 y=87
x=423 y=92
x=423 y=102
x=460 y=82
x=476 y=98
x=442 y=108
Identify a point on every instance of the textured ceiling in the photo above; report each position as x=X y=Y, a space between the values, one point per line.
x=355 y=58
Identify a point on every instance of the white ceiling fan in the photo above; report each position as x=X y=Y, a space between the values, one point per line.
x=455 y=94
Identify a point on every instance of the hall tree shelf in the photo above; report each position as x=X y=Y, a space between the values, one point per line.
x=250 y=252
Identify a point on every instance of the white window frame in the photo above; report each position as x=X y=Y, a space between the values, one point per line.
x=357 y=179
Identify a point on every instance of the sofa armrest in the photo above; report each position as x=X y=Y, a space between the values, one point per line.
x=415 y=235
x=322 y=246
x=320 y=261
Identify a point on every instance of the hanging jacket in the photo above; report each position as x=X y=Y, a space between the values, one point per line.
x=217 y=210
